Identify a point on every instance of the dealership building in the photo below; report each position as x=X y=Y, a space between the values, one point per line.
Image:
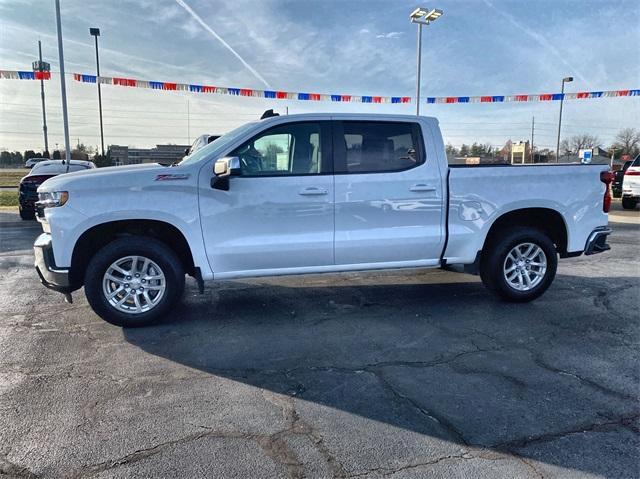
x=125 y=155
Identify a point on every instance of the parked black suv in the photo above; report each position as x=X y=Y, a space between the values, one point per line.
x=42 y=171
x=616 y=186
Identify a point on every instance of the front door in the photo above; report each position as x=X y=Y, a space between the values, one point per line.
x=277 y=216
x=389 y=203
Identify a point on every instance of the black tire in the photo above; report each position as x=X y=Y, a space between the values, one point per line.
x=150 y=248
x=495 y=254
x=27 y=215
x=629 y=203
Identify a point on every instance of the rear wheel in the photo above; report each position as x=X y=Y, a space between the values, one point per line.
x=629 y=203
x=519 y=264
x=134 y=281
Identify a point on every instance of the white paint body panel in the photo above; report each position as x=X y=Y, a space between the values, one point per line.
x=631 y=183
x=263 y=227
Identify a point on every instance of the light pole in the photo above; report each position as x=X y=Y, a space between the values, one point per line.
x=95 y=32
x=564 y=80
x=42 y=67
x=422 y=16
x=63 y=88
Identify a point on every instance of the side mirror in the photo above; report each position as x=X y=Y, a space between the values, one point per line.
x=222 y=170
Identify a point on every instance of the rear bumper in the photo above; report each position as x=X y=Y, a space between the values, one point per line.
x=597 y=241
x=51 y=276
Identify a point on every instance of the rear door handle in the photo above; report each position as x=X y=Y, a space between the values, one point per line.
x=312 y=191
x=422 y=187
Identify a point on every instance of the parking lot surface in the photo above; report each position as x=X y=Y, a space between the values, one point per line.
x=394 y=374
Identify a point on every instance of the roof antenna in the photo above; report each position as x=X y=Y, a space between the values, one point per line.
x=269 y=114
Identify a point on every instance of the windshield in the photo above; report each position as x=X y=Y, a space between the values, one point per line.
x=56 y=168
x=636 y=162
x=216 y=144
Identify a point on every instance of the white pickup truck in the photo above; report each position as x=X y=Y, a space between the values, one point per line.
x=312 y=193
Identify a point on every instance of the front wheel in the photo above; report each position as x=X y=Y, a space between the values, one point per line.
x=519 y=264
x=629 y=203
x=134 y=281
x=27 y=215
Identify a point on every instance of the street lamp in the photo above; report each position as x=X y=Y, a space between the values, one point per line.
x=42 y=68
x=95 y=32
x=422 y=17
x=564 y=80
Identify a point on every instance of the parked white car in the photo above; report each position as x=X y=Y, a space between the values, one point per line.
x=631 y=185
x=31 y=162
x=201 y=142
x=312 y=193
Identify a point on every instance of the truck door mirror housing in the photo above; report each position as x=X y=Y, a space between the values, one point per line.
x=222 y=170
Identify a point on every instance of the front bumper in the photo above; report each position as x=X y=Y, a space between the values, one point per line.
x=597 y=241
x=50 y=275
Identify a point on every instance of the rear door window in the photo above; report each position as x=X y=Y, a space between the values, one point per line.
x=377 y=147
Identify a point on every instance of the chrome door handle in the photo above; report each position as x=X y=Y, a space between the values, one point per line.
x=312 y=191
x=422 y=187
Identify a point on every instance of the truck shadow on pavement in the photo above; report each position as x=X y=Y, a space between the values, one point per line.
x=555 y=380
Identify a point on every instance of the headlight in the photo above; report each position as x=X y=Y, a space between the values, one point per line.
x=50 y=199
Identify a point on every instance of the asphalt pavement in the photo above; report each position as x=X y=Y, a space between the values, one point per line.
x=395 y=374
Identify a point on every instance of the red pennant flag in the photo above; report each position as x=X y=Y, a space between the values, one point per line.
x=546 y=96
x=486 y=99
x=522 y=97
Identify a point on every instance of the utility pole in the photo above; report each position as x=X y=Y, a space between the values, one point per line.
x=42 y=67
x=533 y=125
x=63 y=88
x=613 y=156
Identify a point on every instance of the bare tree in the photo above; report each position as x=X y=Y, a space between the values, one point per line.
x=572 y=145
x=628 y=140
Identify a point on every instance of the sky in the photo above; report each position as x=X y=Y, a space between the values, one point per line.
x=478 y=47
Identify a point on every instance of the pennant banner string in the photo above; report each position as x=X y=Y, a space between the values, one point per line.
x=307 y=96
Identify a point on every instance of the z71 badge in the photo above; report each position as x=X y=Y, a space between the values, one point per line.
x=170 y=177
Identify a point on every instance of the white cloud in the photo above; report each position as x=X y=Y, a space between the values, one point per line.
x=390 y=35
x=202 y=23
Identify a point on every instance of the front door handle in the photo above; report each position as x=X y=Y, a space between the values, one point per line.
x=422 y=187
x=313 y=191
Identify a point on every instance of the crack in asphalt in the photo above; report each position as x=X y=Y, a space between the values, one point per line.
x=613 y=424
x=8 y=468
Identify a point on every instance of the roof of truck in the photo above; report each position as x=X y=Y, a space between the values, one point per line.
x=350 y=116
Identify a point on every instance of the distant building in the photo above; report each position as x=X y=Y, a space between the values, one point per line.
x=520 y=152
x=124 y=155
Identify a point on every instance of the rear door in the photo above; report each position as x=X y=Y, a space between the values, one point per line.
x=388 y=195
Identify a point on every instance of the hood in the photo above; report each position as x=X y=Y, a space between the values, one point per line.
x=100 y=178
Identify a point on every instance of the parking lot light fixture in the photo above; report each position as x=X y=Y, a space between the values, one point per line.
x=95 y=32
x=422 y=16
x=564 y=80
